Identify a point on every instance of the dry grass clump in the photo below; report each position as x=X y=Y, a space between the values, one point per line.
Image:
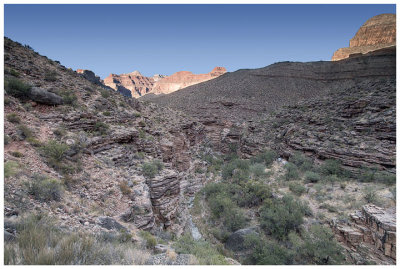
x=39 y=241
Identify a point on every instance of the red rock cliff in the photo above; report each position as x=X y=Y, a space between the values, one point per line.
x=376 y=33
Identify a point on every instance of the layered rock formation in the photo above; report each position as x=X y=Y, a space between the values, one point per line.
x=376 y=33
x=184 y=79
x=132 y=84
x=373 y=230
x=136 y=85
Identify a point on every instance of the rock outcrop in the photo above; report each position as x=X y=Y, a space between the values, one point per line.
x=89 y=75
x=184 y=79
x=136 y=85
x=376 y=33
x=42 y=96
x=133 y=84
x=372 y=229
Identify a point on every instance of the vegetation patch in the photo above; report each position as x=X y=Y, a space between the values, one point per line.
x=17 y=88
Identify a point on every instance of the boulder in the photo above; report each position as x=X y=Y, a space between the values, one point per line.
x=42 y=96
x=110 y=224
x=236 y=240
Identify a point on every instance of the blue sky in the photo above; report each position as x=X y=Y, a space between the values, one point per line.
x=165 y=39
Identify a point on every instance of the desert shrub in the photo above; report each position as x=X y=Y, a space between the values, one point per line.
x=17 y=88
x=205 y=253
x=331 y=167
x=6 y=139
x=292 y=172
x=55 y=151
x=101 y=128
x=125 y=189
x=301 y=161
x=253 y=194
x=12 y=72
x=320 y=247
x=60 y=132
x=150 y=169
x=34 y=142
x=69 y=97
x=258 y=170
x=105 y=93
x=220 y=204
x=17 y=154
x=265 y=157
x=312 y=177
x=282 y=216
x=234 y=219
x=50 y=76
x=297 y=188
x=10 y=168
x=213 y=188
x=13 y=118
x=151 y=241
x=25 y=132
x=333 y=179
x=385 y=177
x=240 y=167
x=266 y=251
x=370 y=195
x=45 y=189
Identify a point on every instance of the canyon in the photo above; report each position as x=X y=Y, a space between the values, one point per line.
x=179 y=169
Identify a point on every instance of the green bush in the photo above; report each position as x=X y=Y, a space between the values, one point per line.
x=372 y=175
x=6 y=139
x=17 y=88
x=265 y=157
x=253 y=194
x=45 y=189
x=311 y=177
x=101 y=128
x=292 y=172
x=55 y=151
x=105 y=93
x=25 y=131
x=150 y=169
x=258 y=170
x=13 y=118
x=331 y=167
x=266 y=251
x=370 y=195
x=301 y=161
x=297 y=188
x=69 y=97
x=17 y=154
x=240 y=167
x=320 y=247
x=50 y=76
x=205 y=253
x=151 y=241
x=282 y=216
x=10 y=168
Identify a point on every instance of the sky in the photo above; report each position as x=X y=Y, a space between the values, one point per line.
x=164 y=39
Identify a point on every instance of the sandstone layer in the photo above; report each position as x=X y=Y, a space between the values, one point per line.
x=373 y=230
x=132 y=84
x=136 y=85
x=376 y=33
x=184 y=79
